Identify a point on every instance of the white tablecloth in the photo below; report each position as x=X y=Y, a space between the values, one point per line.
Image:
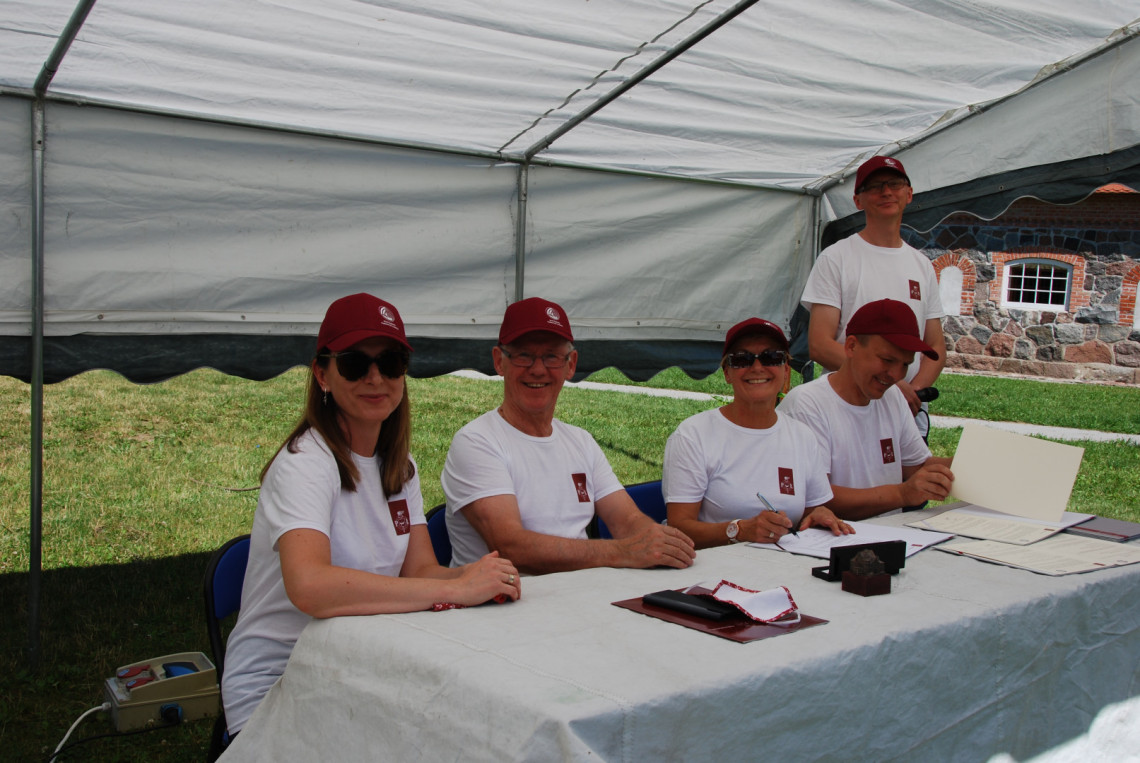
x=962 y=660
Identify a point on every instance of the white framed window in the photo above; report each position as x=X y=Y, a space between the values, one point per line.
x=1036 y=284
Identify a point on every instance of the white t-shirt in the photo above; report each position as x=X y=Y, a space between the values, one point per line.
x=366 y=532
x=723 y=465
x=554 y=479
x=850 y=273
x=866 y=445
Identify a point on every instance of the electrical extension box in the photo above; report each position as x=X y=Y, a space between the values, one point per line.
x=144 y=693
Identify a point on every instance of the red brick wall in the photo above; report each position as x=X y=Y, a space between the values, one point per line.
x=969 y=277
x=1128 y=296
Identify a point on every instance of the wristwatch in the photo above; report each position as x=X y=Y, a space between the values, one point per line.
x=732 y=530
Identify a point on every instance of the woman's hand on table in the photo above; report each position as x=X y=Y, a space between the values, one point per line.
x=492 y=577
x=765 y=527
x=821 y=516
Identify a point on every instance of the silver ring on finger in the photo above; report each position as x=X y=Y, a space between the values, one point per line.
x=511 y=579
x=771 y=534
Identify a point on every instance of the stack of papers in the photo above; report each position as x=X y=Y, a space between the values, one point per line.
x=818 y=542
x=1017 y=488
x=1059 y=555
x=976 y=522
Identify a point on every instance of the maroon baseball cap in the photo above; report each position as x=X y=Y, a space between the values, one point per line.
x=755 y=326
x=534 y=314
x=358 y=317
x=893 y=321
x=874 y=164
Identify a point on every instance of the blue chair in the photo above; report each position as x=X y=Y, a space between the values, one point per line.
x=648 y=497
x=437 y=529
x=225 y=576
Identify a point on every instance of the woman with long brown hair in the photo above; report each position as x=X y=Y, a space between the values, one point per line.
x=339 y=527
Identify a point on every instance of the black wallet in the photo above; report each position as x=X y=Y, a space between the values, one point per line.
x=691 y=604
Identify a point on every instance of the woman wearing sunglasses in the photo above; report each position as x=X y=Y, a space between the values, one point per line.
x=339 y=527
x=743 y=473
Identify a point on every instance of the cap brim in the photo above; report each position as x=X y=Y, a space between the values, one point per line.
x=344 y=341
x=911 y=344
x=508 y=338
x=779 y=337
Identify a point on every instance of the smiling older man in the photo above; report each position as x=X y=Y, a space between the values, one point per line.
x=878 y=461
x=520 y=481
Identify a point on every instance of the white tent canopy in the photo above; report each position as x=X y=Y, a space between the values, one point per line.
x=215 y=173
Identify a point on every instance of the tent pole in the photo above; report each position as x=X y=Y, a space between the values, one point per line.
x=35 y=564
x=39 y=133
x=816 y=226
x=520 y=229
x=62 y=45
x=640 y=76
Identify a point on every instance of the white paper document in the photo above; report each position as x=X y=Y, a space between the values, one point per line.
x=977 y=522
x=1013 y=473
x=1059 y=555
x=817 y=542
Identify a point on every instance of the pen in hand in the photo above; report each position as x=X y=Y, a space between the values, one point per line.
x=772 y=508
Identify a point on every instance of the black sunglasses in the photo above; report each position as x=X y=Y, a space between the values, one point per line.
x=354 y=364
x=744 y=358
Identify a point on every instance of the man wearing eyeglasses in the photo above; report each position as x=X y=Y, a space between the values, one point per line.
x=520 y=481
x=872 y=264
x=877 y=459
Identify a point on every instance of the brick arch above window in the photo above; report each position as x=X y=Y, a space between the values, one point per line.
x=1079 y=296
x=969 y=277
x=1128 y=297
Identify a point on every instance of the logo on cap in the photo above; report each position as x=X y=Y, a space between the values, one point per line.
x=553 y=315
x=386 y=314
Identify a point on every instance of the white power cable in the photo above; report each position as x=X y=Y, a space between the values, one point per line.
x=103 y=707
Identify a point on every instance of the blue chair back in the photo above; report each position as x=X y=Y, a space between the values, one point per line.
x=225 y=575
x=437 y=529
x=648 y=497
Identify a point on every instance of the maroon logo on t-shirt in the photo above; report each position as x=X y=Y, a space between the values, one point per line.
x=580 y=486
x=915 y=290
x=400 y=518
x=888 y=447
x=787 y=482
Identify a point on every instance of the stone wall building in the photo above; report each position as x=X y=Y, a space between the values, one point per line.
x=1044 y=289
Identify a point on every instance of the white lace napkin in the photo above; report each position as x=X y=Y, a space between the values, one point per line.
x=774 y=607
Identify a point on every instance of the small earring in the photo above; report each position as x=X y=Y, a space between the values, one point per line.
x=325 y=399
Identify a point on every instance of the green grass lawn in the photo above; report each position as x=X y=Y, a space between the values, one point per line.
x=142 y=482
x=1103 y=407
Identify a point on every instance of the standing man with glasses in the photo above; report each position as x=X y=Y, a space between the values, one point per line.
x=520 y=481
x=874 y=264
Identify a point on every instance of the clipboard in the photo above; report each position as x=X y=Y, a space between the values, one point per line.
x=734 y=626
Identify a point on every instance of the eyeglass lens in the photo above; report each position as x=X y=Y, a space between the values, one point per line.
x=526 y=360
x=894 y=184
x=744 y=359
x=354 y=364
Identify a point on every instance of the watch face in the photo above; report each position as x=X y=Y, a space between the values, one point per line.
x=732 y=530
